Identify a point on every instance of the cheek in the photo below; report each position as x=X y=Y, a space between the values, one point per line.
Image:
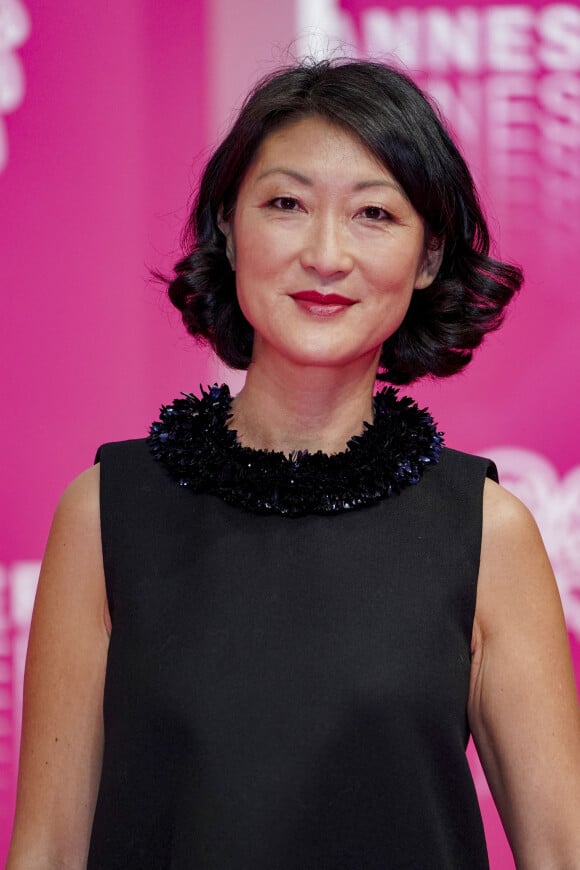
x=263 y=266
x=391 y=277
x=395 y=255
x=252 y=283
x=254 y=257
x=242 y=293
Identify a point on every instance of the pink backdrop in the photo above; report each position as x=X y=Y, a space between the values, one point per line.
x=105 y=116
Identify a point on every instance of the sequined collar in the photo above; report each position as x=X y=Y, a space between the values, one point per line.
x=192 y=440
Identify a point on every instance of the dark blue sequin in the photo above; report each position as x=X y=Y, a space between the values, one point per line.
x=194 y=443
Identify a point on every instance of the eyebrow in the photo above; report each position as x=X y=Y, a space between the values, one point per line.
x=303 y=179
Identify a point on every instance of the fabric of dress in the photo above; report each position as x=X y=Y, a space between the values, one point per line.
x=287 y=694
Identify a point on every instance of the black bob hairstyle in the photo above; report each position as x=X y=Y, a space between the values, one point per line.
x=394 y=120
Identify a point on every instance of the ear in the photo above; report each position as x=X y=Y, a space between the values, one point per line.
x=431 y=264
x=226 y=228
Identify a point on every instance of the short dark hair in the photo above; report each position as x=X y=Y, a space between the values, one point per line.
x=397 y=123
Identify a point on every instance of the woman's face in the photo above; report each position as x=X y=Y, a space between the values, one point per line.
x=326 y=247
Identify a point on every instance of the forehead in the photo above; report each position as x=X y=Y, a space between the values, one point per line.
x=316 y=145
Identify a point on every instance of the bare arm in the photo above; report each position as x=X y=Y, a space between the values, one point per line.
x=523 y=705
x=62 y=732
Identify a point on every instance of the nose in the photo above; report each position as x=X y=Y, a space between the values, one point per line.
x=325 y=248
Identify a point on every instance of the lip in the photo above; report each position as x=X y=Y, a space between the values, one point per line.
x=322 y=298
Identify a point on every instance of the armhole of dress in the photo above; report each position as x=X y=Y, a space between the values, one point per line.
x=107 y=614
x=491 y=471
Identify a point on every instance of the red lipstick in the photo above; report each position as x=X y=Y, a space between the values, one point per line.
x=322 y=305
x=322 y=298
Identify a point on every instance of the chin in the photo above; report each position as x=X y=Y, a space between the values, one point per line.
x=331 y=360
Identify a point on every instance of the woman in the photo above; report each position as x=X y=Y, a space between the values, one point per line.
x=295 y=643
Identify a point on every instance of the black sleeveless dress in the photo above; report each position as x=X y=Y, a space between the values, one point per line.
x=287 y=693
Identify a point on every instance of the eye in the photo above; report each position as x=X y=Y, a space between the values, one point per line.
x=285 y=203
x=375 y=213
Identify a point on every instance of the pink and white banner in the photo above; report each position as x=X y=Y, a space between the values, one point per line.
x=106 y=113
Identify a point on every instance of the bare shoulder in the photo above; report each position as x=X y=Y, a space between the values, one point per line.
x=514 y=562
x=504 y=515
x=72 y=563
x=80 y=500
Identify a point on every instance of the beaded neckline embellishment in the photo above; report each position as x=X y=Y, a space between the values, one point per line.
x=192 y=440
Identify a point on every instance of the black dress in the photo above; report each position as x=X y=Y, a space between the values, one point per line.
x=288 y=693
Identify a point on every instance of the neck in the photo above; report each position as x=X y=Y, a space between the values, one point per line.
x=303 y=408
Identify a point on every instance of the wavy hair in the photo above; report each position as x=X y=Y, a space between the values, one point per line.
x=392 y=117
